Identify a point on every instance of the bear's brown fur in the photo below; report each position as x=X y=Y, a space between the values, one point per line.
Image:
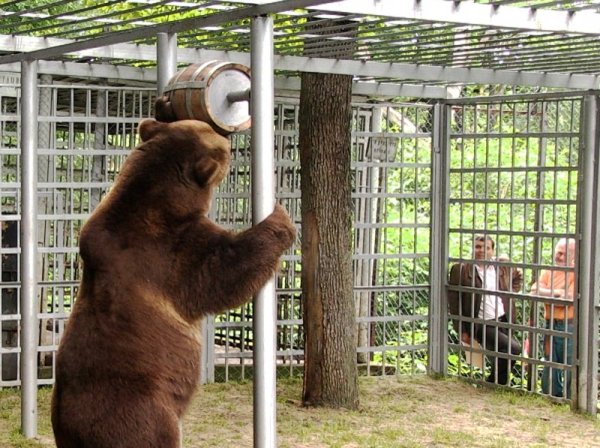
x=154 y=264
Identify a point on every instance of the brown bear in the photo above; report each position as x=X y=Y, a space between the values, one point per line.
x=154 y=264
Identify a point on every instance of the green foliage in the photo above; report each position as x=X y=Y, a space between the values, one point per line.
x=514 y=169
x=93 y=18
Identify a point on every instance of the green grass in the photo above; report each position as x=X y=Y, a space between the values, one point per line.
x=405 y=412
x=10 y=419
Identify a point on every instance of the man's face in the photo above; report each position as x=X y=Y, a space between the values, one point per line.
x=562 y=256
x=482 y=250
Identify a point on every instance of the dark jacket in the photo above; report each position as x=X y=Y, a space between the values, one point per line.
x=465 y=274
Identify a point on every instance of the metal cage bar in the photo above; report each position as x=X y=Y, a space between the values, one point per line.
x=438 y=339
x=29 y=278
x=263 y=201
x=587 y=392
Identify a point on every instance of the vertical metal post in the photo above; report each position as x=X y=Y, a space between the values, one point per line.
x=29 y=286
x=166 y=57
x=367 y=209
x=438 y=323
x=46 y=202
x=587 y=380
x=263 y=201
x=538 y=227
x=207 y=355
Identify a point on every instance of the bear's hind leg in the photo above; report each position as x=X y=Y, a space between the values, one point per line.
x=158 y=428
x=130 y=423
x=168 y=433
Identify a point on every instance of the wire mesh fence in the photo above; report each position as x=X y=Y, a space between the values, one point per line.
x=513 y=175
x=85 y=134
x=391 y=171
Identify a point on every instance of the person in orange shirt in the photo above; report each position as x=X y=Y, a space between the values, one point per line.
x=559 y=284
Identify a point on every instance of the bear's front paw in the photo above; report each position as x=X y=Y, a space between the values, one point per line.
x=283 y=226
x=163 y=110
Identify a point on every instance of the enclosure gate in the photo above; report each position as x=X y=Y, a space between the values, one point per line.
x=522 y=171
x=419 y=173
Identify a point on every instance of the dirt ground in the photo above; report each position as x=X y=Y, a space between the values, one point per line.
x=394 y=412
x=405 y=412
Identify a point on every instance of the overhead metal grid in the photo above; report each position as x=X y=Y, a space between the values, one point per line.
x=423 y=44
x=506 y=39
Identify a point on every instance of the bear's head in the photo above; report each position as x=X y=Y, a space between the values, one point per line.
x=201 y=153
x=171 y=174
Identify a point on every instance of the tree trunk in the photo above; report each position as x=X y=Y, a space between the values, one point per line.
x=330 y=373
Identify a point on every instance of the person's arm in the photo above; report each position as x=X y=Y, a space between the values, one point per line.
x=557 y=293
x=516 y=282
x=455 y=271
x=454 y=301
x=515 y=275
x=465 y=337
x=517 y=279
x=543 y=287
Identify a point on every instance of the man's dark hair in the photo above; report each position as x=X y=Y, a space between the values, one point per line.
x=485 y=239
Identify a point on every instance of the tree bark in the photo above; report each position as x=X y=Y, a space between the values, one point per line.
x=330 y=372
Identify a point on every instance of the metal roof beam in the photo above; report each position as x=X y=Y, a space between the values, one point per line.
x=149 y=76
x=420 y=72
x=375 y=89
x=30 y=44
x=470 y=13
x=432 y=73
x=85 y=70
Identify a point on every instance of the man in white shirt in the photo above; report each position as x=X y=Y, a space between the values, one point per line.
x=490 y=307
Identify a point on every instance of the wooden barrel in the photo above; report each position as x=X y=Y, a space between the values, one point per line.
x=199 y=92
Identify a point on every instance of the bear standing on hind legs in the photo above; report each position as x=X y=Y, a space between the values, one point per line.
x=128 y=362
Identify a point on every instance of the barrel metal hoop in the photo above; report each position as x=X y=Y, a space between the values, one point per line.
x=186 y=85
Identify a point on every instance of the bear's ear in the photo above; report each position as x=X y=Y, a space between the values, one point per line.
x=148 y=128
x=206 y=171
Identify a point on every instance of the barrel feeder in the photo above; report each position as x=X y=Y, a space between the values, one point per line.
x=215 y=92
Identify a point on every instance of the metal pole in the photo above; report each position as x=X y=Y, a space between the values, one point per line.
x=587 y=381
x=29 y=287
x=538 y=227
x=166 y=57
x=263 y=201
x=367 y=238
x=438 y=323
